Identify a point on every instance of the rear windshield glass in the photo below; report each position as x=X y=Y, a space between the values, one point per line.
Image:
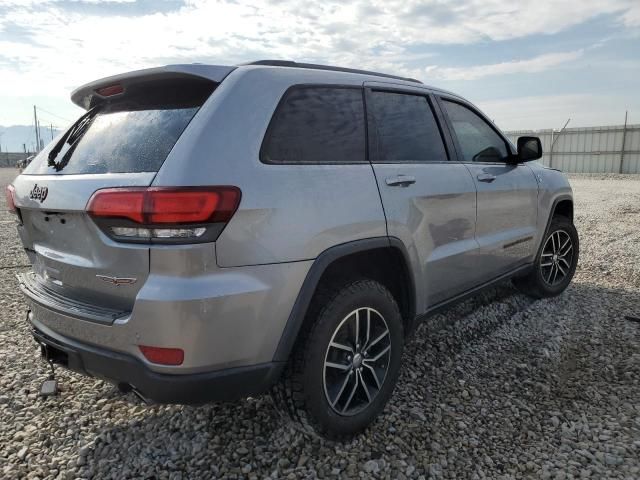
x=135 y=135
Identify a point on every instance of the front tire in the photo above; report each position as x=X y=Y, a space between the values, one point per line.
x=555 y=263
x=346 y=363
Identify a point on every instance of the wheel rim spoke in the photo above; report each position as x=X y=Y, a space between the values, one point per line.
x=566 y=252
x=561 y=269
x=340 y=392
x=378 y=356
x=550 y=273
x=555 y=274
x=375 y=375
x=337 y=366
x=353 y=391
x=364 y=385
x=356 y=361
x=366 y=342
x=368 y=347
x=340 y=346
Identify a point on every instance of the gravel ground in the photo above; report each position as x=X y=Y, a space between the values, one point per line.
x=497 y=387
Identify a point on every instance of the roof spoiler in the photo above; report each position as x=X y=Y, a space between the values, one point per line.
x=94 y=93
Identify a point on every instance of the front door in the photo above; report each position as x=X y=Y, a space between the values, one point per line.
x=429 y=200
x=507 y=192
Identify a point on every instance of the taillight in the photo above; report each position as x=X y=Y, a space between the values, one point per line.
x=163 y=356
x=164 y=214
x=10 y=192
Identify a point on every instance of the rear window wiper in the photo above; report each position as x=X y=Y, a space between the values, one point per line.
x=72 y=135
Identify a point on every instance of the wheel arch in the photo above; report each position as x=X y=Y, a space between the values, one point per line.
x=389 y=255
x=561 y=205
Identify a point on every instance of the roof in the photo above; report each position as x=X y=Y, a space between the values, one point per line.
x=313 y=66
x=86 y=95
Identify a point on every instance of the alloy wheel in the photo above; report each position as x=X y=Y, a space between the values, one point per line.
x=556 y=258
x=356 y=361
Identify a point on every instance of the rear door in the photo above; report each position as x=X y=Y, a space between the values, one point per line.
x=507 y=192
x=429 y=201
x=119 y=143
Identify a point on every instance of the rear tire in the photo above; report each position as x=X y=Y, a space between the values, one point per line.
x=346 y=362
x=555 y=263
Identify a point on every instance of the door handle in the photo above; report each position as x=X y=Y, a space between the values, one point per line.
x=486 y=177
x=400 y=181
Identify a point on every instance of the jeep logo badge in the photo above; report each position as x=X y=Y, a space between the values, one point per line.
x=38 y=193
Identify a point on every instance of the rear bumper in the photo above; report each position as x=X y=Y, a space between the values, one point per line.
x=222 y=319
x=128 y=372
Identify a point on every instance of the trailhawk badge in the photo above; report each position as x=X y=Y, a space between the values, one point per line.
x=117 y=281
x=38 y=193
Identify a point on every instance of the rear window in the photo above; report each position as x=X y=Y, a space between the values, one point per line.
x=135 y=134
x=317 y=125
x=404 y=129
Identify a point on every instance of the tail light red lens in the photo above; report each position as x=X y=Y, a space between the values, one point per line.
x=163 y=213
x=157 y=205
x=118 y=203
x=163 y=356
x=10 y=192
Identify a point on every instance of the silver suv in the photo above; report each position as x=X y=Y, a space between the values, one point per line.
x=205 y=233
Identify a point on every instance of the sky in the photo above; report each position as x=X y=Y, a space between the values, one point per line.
x=527 y=64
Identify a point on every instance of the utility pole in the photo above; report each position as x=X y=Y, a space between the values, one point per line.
x=624 y=137
x=35 y=124
x=51 y=130
x=553 y=142
x=41 y=144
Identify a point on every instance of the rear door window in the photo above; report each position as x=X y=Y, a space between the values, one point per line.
x=317 y=124
x=132 y=135
x=403 y=128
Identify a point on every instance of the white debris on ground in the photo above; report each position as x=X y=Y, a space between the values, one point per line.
x=500 y=386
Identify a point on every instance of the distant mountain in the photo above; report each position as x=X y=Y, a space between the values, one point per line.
x=12 y=138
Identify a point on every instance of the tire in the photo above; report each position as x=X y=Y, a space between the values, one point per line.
x=332 y=402
x=555 y=262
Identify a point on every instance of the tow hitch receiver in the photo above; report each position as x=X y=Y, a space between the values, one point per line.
x=49 y=387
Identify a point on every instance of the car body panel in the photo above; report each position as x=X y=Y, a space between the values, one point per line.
x=221 y=318
x=506 y=221
x=70 y=254
x=222 y=145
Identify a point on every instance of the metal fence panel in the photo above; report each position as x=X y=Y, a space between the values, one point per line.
x=589 y=149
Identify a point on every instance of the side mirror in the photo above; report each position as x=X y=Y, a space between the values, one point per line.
x=529 y=148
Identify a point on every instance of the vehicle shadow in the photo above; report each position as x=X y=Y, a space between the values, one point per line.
x=500 y=358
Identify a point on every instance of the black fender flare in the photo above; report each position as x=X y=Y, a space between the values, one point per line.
x=552 y=210
x=320 y=264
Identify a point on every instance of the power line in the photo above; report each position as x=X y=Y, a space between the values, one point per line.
x=55 y=115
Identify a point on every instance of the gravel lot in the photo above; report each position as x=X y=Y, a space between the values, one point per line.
x=497 y=387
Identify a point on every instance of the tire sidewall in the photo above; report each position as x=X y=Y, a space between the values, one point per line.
x=359 y=296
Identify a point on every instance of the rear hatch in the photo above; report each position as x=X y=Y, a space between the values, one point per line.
x=131 y=126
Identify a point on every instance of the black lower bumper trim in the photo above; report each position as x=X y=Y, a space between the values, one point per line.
x=124 y=370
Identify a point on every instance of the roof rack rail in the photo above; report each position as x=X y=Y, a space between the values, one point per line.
x=313 y=66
